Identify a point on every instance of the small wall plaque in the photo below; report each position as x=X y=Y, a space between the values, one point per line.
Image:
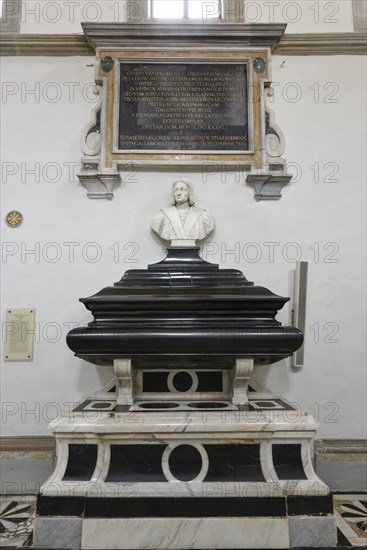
x=19 y=334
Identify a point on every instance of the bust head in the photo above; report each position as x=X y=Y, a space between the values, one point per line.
x=182 y=192
x=180 y=224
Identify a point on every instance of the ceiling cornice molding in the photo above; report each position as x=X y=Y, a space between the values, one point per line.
x=349 y=43
x=45 y=45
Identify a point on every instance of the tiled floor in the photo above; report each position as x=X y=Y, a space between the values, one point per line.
x=351 y=518
x=16 y=520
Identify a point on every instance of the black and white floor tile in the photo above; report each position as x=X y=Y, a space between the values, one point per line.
x=16 y=521
x=351 y=517
x=17 y=515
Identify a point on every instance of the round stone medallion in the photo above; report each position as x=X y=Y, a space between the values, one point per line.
x=14 y=219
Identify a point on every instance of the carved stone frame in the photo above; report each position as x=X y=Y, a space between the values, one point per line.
x=111 y=157
x=185 y=43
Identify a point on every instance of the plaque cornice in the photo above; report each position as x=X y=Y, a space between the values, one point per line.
x=107 y=35
x=65 y=45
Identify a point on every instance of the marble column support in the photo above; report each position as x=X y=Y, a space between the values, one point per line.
x=124 y=382
x=267 y=465
x=103 y=462
x=242 y=376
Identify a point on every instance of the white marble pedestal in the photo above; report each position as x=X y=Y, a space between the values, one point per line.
x=220 y=475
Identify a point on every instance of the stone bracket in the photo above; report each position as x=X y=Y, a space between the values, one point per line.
x=100 y=185
x=242 y=375
x=267 y=186
x=124 y=383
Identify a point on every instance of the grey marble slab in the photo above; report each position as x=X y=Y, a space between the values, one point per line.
x=52 y=533
x=180 y=533
x=312 y=532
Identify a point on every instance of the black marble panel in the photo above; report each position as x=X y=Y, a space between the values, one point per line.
x=99 y=405
x=60 y=506
x=309 y=505
x=185 y=507
x=286 y=405
x=81 y=462
x=209 y=381
x=155 y=382
x=185 y=462
x=234 y=463
x=82 y=406
x=182 y=381
x=136 y=463
x=288 y=462
x=156 y=405
x=227 y=462
x=166 y=106
x=258 y=402
x=202 y=405
x=118 y=408
x=226 y=506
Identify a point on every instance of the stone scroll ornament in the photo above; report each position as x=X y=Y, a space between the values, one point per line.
x=183 y=223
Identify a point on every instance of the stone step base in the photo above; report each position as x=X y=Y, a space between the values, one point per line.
x=226 y=522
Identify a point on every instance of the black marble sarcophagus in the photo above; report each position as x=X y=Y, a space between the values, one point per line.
x=186 y=313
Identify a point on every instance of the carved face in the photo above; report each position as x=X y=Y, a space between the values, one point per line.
x=181 y=193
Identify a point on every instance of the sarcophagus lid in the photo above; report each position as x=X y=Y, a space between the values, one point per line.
x=184 y=312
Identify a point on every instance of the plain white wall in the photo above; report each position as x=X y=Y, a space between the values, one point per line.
x=324 y=219
x=64 y=16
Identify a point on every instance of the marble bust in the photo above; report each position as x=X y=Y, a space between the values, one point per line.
x=183 y=223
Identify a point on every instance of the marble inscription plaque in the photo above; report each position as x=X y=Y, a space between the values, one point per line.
x=179 y=107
